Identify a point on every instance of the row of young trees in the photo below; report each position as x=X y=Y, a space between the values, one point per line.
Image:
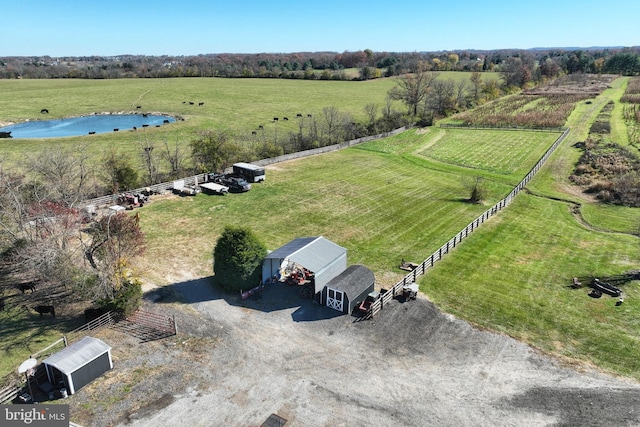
x=320 y=65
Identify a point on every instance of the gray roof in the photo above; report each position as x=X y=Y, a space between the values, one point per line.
x=313 y=253
x=353 y=280
x=78 y=354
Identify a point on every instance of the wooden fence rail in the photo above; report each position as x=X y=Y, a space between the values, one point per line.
x=455 y=240
x=7 y=394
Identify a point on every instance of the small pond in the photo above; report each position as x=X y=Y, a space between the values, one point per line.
x=84 y=125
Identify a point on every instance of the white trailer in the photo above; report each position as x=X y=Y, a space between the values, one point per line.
x=214 y=188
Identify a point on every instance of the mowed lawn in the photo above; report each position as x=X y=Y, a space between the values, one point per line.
x=383 y=201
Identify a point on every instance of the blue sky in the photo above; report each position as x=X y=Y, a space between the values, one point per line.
x=184 y=27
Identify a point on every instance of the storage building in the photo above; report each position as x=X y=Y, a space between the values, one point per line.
x=78 y=364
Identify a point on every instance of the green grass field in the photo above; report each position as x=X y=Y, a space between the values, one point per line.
x=403 y=197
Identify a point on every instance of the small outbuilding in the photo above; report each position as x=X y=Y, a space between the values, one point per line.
x=78 y=364
x=323 y=258
x=345 y=291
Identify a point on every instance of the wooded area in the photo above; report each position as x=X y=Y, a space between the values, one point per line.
x=328 y=65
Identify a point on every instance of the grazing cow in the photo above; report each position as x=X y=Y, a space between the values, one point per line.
x=116 y=130
x=44 y=309
x=145 y=126
x=5 y=135
x=27 y=287
x=135 y=128
x=44 y=111
x=92 y=133
x=308 y=115
x=145 y=115
x=190 y=103
x=260 y=127
x=138 y=107
x=253 y=132
x=165 y=121
x=298 y=115
x=285 y=118
x=200 y=104
x=275 y=119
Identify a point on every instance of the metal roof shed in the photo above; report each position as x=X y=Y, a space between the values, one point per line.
x=320 y=256
x=79 y=364
x=349 y=288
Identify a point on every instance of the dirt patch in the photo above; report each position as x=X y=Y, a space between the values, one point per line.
x=237 y=362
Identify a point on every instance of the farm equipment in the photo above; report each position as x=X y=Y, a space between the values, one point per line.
x=365 y=305
x=607 y=285
x=408 y=266
x=131 y=200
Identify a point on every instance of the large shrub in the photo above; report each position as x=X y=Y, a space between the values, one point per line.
x=237 y=259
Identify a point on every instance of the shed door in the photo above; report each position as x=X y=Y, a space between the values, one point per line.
x=335 y=299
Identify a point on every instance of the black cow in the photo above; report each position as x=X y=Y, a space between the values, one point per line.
x=260 y=127
x=44 y=309
x=165 y=121
x=285 y=118
x=5 y=135
x=92 y=132
x=116 y=130
x=138 y=107
x=27 y=287
x=190 y=103
x=44 y=111
x=200 y=104
x=275 y=119
x=298 y=115
x=253 y=132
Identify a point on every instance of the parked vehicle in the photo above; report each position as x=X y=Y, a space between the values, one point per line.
x=251 y=173
x=234 y=183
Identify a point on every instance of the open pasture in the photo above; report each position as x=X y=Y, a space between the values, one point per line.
x=237 y=105
x=505 y=153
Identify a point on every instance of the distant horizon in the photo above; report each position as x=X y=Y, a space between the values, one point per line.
x=70 y=28
x=562 y=48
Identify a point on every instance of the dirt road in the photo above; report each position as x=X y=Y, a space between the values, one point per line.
x=410 y=366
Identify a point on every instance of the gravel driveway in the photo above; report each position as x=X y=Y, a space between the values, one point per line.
x=410 y=366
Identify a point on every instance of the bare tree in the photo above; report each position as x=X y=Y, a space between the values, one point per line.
x=442 y=97
x=175 y=156
x=461 y=94
x=149 y=160
x=331 y=116
x=62 y=174
x=412 y=89
x=115 y=240
x=476 y=81
x=371 y=110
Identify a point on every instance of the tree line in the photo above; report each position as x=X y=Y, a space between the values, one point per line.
x=321 y=65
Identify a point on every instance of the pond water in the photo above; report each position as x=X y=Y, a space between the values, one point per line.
x=84 y=125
